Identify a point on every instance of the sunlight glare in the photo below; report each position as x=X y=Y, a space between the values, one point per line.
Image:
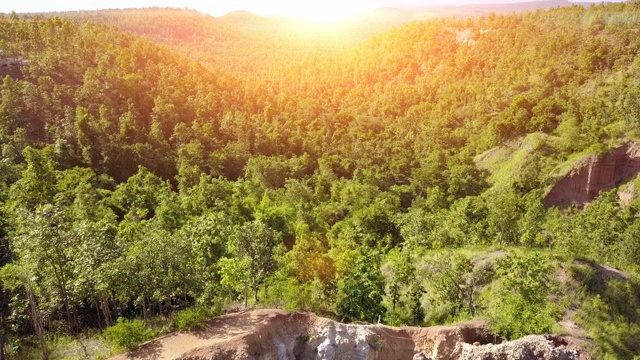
x=324 y=11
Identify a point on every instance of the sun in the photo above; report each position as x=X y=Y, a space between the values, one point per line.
x=322 y=11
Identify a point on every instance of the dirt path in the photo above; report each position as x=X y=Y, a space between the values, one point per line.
x=571 y=327
x=223 y=329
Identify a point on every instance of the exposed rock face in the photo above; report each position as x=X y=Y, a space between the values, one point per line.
x=532 y=347
x=278 y=335
x=595 y=174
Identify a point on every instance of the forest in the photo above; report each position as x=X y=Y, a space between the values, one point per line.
x=145 y=178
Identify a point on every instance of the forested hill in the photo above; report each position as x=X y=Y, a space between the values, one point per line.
x=241 y=43
x=134 y=179
x=250 y=45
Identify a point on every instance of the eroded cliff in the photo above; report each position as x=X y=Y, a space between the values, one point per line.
x=595 y=174
x=276 y=334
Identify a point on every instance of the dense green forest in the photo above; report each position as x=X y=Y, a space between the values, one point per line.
x=351 y=179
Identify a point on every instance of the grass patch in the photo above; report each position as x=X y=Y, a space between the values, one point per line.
x=519 y=161
x=89 y=346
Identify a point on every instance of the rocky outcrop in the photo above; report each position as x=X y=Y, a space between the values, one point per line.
x=532 y=347
x=278 y=335
x=595 y=174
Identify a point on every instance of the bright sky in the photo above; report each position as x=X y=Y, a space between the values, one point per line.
x=320 y=10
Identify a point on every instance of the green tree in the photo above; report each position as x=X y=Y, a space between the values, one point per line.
x=234 y=276
x=256 y=242
x=454 y=281
x=519 y=305
x=208 y=236
x=531 y=225
x=504 y=212
x=18 y=276
x=361 y=289
x=403 y=289
x=44 y=240
x=37 y=184
x=599 y=226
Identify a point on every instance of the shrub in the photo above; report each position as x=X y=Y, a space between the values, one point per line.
x=193 y=318
x=127 y=334
x=519 y=305
x=512 y=317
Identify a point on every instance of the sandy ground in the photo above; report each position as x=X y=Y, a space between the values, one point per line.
x=219 y=330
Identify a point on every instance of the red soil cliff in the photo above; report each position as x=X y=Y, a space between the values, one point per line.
x=595 y=174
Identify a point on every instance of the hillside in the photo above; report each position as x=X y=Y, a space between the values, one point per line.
x=375 y=181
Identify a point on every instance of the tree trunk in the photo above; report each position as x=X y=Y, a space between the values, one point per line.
x=394 y=295
x=472 y=309
x=255 y=291
x=37 y=323
x=246 y=294
x=98 y=313
x=106 y=311
x=2 y=355
x=168 y=307
x=144 y=309
x=65 y=299
x=67 y=311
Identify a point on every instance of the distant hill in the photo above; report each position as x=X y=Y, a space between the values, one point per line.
x=401 y=15
x=241 y=42
x=222 y=42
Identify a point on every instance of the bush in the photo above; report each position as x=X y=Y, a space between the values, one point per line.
x=194 y=318
x=512 y=317
x=127 y=334
x=519 y=305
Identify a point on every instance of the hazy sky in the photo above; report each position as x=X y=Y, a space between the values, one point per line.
x=221 y=7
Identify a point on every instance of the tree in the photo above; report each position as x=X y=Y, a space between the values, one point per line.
x=415 y=227
x=371 y=225
x=360 y=290
x=141 y=195
x=209 y=236
x=462 y=224
x=19 y=276
x=519 y=305
x=155 y=265
x=256 y=242
x=403 y=289
x=234 y=275
x=454 y=281
x=599 y=226
x=44 y=239
x=531 y=224
x=37 y=184
x=503 y=216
